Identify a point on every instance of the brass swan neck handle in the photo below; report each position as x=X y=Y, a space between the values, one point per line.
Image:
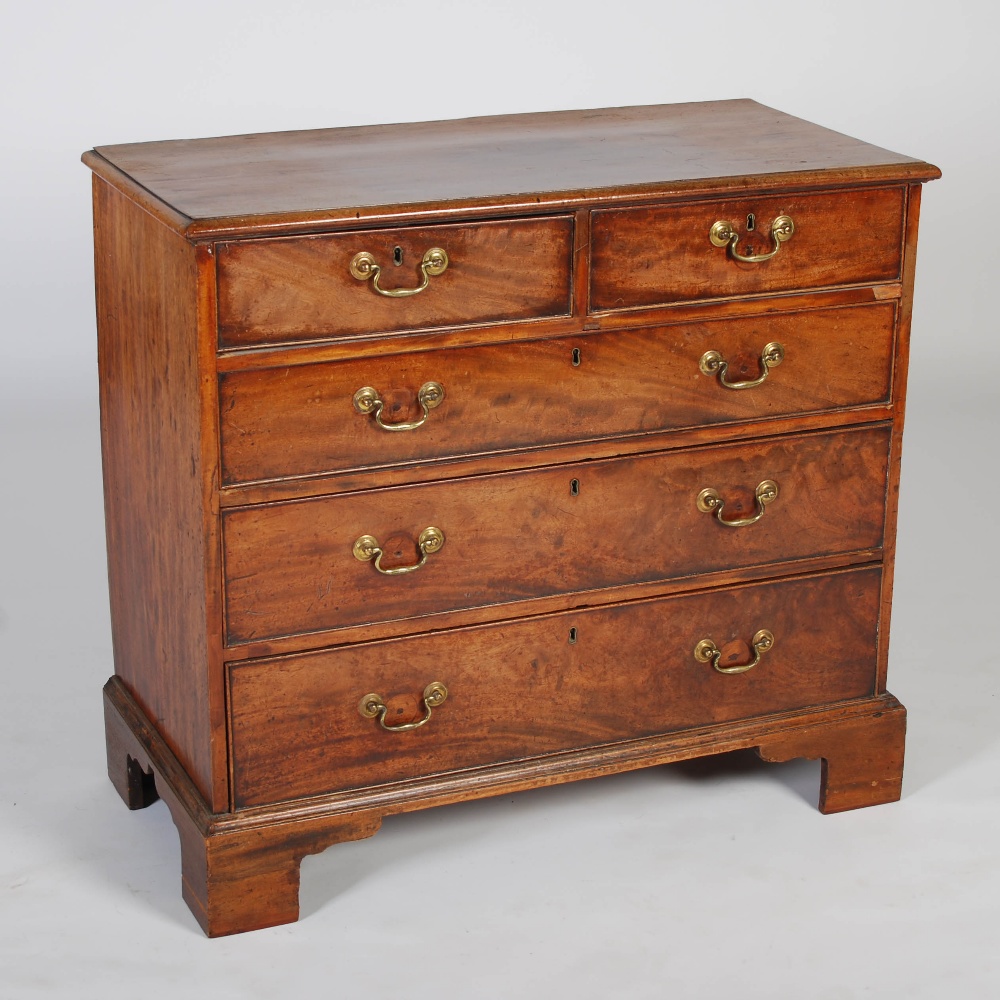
x=368 y=401
x=429 y=541
x=363 y=267
x=713 y=363
x=373 y=705
x=707 y=652
x=725 y=234
x=710 y=501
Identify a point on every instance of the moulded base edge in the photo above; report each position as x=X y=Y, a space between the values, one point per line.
x=240 y=870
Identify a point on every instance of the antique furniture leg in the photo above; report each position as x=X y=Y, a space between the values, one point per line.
x=236 y=875
x=249 y=879
x=862 y=757
x=134 y=783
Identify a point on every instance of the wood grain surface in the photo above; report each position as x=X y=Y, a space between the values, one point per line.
x=295 y=290
x=563 y=467
x=292 y=180
x=862 y=758
x=160 y=569
x=527 y=688
x=647 y=256
x=901 y=364
x=513 y=537
x=240 y=870
x=233 y=878
x=299 y=420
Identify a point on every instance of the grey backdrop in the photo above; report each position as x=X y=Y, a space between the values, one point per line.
x=699 y=880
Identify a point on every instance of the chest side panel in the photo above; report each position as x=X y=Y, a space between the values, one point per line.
x=160 y=548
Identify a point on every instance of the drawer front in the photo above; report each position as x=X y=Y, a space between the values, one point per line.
x=299 y=289
x=522 y=689
x=301 y=420
x=654 y=256
x=561 y=529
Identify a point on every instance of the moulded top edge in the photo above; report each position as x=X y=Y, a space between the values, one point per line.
x=289 y=181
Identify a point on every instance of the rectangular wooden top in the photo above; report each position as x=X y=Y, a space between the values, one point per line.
x=330 y=178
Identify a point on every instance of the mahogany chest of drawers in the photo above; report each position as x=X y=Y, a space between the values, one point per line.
x=450 y=459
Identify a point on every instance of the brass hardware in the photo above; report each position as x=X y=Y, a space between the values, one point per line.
x=397 y=256
x=372 y=704
x=367 y=400
x=709 y=502
x=706 y=651
x=363 y=267
x=572 y=636
x=724 y=234
x=576 y=357
x=713 y=363
x=574 y=487
x=429 y=541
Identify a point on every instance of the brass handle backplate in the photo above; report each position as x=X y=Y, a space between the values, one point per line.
x=363 y=267
x=710 y=502
x=724 y=234
x=713 y=363
x=429 y=541
x=368 y=401
x=707 y=652
x=372 y=705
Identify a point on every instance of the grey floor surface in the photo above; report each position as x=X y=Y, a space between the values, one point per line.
x=709 y=879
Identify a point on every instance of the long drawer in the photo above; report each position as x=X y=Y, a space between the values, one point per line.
x=303 y=420
x=296 y=289
x=299 y=567
x=654 y=256
x=552 y=683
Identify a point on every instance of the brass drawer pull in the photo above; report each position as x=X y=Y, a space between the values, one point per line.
x=710 y=502
x=706 y=651
x=372 y=704
x=724 y=234
x=713 y=363
x=367 y=400
x=429 y=541
x=363 y=267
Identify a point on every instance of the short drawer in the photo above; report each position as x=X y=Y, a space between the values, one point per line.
x=291 y=567
x=557 y=682
x=289 y=290
x=305 y=420
x=655 y=256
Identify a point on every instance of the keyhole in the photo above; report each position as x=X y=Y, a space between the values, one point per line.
x=572 y=636
x=576 y=357
x=574 y=487
x=397 y=256
x=751 y=222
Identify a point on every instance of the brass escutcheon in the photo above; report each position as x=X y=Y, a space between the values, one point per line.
x=368 y=401
x=713 y=363
x=429 y=541
x=707 y=652
x=363 y=267
x=710 y=501
x=724 y=234
x=372 y=705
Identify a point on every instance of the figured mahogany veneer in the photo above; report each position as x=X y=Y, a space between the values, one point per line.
x=534 y=687
x=290 y=290
x=299 y=420
x=516 y=536
x=645 y=256
x=587 y=612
